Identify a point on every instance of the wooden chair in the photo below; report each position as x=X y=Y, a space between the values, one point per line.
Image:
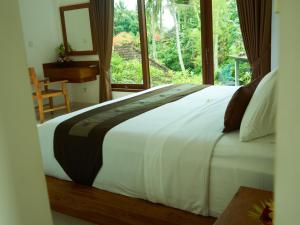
x=41 y=93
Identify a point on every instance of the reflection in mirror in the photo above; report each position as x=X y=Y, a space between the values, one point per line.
x=78 y=29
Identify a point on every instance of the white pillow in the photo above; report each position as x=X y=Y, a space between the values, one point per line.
x=259 y=118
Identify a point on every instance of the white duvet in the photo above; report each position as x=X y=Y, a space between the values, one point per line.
x=162 y=155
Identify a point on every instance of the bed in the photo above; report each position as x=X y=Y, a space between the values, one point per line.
x=142 y=154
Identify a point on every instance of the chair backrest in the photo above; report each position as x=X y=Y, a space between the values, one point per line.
x=33 y=79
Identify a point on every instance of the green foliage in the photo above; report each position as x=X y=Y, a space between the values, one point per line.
x=228 y=37
x=62 y=53
x=159 y=78
x=125 y=20
x=126 y=71
x=61 y=50
x=130 y=72
x=163 y=47
x=167 y=53
x=188 y=16
x=245 y=73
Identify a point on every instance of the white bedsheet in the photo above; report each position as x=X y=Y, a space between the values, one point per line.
x=163 y=155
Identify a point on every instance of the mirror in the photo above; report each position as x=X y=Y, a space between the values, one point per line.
x=77 y=29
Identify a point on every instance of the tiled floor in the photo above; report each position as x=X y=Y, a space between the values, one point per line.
x=74 y=107
x=62 y=219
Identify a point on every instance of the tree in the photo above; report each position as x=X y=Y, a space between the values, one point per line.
x=172 y=5
x=219 y=10
x=154 y=14
x=125 y=20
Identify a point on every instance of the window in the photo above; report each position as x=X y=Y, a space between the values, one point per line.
x=174 y=41
x=160 y=42
x=128 y=64
x=230 y=60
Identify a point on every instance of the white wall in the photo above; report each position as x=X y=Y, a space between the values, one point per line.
x=41 y=36
x=287 y=182
x=40 y=31
x=23 y=194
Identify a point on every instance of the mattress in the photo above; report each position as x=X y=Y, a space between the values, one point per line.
x=236 y=164
x=233 y=163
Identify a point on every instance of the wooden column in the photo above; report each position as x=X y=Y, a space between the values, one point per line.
x=207 y=41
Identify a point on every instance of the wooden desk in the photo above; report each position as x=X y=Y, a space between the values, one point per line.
x=237 y=212
x=74 y=72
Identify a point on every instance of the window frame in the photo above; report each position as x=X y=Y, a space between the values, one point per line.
x=144 y=55
x=207 y=44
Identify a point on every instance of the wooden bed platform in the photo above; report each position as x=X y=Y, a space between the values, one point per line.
x=105 y=208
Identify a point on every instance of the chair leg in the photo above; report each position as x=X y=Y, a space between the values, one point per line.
x=67 y=100
x=41 y=110
x=51 y=105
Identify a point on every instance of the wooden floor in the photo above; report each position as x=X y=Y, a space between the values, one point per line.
x=106 y=208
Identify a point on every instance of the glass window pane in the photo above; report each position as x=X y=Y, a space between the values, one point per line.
x=126 y=66
x=231 y=64
x=174 y=41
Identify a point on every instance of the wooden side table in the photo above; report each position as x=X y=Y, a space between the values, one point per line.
x=237 y=212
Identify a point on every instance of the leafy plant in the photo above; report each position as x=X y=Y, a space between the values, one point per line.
x=130 y=72
x=63 y=53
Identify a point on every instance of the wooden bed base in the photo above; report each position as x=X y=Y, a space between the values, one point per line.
x=105 y=208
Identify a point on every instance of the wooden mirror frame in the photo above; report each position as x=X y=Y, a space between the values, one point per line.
x=62 y=10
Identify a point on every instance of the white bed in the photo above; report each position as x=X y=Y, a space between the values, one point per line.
x=236 y=164
x=164 y=134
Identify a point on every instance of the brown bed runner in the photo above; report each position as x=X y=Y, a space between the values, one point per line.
x=78 y=140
